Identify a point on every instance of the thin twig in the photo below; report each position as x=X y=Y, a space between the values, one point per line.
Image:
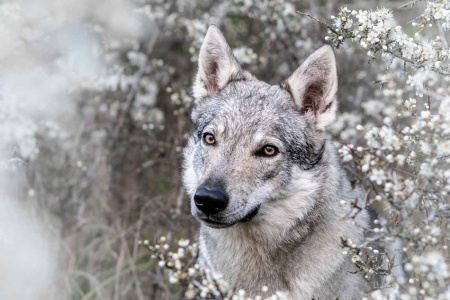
x=415 y=64
x=111 y=279
x=132 y=263
x=408 y=5
x=314 y=11
x=433 y=94
x=119 y=265
x=179 y=201
x=316 y=19
x=131 y=96
x=441 y=33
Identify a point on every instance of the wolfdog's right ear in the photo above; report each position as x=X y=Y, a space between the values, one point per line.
x=216 y=65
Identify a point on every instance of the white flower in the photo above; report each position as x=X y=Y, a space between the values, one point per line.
x=440 y=13
x=388 y=186
x=390 y=158
x=372 y=37
x=364 y=19
x=355 y=258
x=408 y=52
x=348 y=24
x=378 y=176
x=425 y=114
x=344 y=9
x=444 y=148
x=173 y=279
x=386 y=13
x=427 y=51
x=245 y=55
x=426 y=170
x=425 y=148
x=433 y=258
x=337 y=23
x=409 y=185
x=183 y=243
x=400 y=159
x=347 y=157
x=190 y=294
x=401 y=38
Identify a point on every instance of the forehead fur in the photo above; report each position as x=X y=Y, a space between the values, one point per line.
x=246 y=105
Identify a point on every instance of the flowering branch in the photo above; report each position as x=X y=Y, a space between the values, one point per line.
x=369 y=28
x=196 y=281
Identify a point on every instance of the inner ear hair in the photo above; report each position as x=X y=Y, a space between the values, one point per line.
x=211 y=72
x=312 y=96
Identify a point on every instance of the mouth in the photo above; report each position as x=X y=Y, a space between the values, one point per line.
x=251 y=215
x=219 y=225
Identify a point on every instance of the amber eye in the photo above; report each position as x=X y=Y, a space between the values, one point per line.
x=269 y=150
x=209 y=139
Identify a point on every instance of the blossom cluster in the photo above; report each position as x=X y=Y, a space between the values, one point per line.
x=369 y=261
x=376 y=33
x=407 y=172
x=437 y=12
x=197 y=281
x=400 y=152
x=428 y=272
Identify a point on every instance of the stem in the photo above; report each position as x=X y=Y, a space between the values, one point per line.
x=441 y=33
x=316 y=19
x=111 y=279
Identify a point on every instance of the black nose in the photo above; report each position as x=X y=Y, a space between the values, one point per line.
x=209 y=201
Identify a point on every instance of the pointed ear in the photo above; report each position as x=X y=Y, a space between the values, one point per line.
x=314 y=85
x=216 y=65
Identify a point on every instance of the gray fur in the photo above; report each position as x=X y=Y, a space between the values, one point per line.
x=293 y=243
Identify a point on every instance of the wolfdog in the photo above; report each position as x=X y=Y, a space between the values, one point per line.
x=265 y=182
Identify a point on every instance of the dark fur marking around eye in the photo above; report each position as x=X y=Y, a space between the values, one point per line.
x=305 y=155
x=301 y=150
x=315 y=158
x=200 y=127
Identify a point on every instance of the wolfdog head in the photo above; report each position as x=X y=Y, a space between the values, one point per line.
x=255 y=144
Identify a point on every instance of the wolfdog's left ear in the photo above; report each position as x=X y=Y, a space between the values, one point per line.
x=314 y=85
x=216 y=65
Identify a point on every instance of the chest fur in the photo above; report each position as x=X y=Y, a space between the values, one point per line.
x=246 y=264
x=305 y=266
